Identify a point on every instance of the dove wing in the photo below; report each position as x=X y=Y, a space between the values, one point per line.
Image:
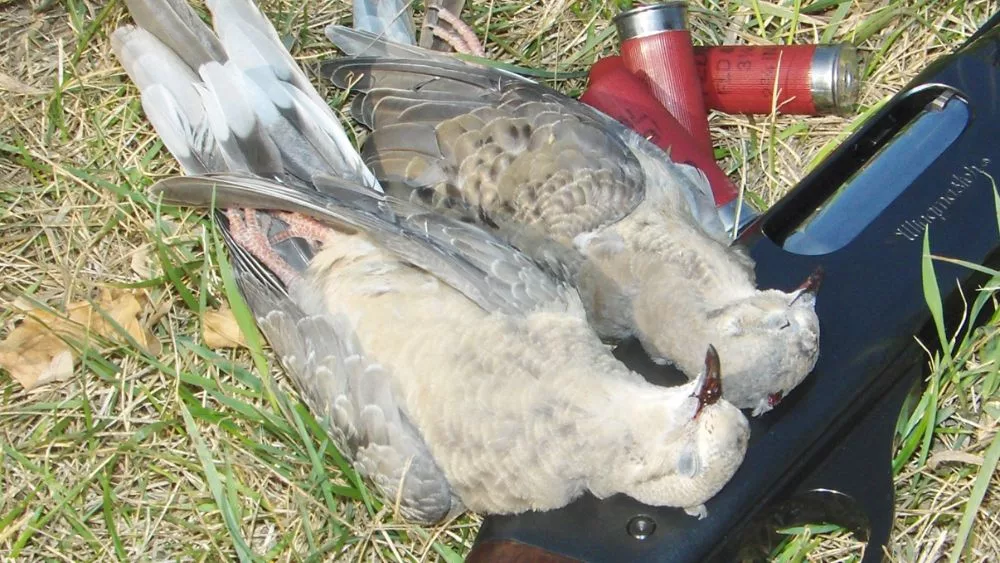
x=347 y=391
x=486 y=270
x=490 y=144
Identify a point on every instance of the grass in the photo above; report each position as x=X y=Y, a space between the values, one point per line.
x=201 y=454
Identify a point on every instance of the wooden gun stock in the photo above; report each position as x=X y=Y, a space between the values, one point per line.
x=509 y=551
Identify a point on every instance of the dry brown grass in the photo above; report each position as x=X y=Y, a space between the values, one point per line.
x=186 y=455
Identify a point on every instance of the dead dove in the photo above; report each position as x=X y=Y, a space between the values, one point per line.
x=449 y=367
x=636 y=233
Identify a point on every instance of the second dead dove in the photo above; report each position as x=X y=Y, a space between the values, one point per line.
x=636 y=233
x=447 y=365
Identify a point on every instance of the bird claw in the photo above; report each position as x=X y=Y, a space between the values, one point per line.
x=246 y=229
x=463 y=40
x=301 y=226
x=699 y=511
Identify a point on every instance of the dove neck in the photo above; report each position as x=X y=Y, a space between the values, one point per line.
x=666 y=243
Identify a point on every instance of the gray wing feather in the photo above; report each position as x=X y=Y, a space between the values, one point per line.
x=177 y=25
x=359 y=42
x=470 y=108
x=511 y=149
x=490 y=272
x=350 y=394
x=390 y=19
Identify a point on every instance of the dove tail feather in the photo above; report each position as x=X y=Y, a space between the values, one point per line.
x=232 y=100
x=179 y=28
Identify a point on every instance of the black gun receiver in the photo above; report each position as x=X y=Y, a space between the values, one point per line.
x=925 y=162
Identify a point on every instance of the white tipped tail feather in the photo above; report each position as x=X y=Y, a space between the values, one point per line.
x=249 y=109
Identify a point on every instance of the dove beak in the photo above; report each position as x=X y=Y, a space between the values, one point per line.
x=774 y=398
x=811 y=285
x=710 y=390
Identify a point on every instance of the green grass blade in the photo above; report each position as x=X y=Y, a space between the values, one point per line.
x=244 y=317
x=986 y=473
x=108 y=510
x=932 y=296
x=218 y=490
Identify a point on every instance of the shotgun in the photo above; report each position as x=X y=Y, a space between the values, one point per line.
x=923 y=165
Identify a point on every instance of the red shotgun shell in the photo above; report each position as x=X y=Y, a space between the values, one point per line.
x=656 y=46
x=811 y=79
x=625 y=97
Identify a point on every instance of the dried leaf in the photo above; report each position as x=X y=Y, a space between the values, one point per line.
x=35 y=356
x=125 y=311
x=220 y=330
x=36 y=352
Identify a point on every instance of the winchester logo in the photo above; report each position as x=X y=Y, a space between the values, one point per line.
x=913 y=229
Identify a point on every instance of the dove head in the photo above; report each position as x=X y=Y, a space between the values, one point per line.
x=693 y=459
x=769 y=341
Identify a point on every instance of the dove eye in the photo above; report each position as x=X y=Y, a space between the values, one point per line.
x=777 y=322
x=689 y=463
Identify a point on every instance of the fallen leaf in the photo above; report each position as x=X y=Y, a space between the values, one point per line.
x=35 y=356
x=220 y=330
x=125 y=311
x=36 y=352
